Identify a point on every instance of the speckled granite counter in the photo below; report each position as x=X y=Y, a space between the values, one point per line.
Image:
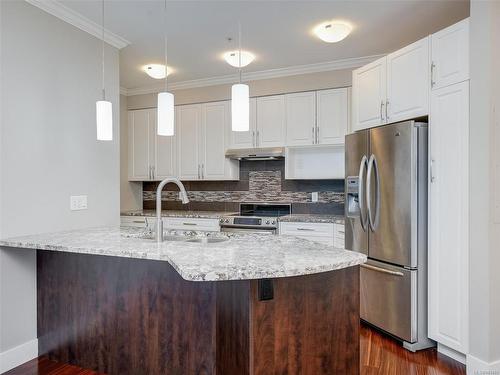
x=179 y=213
x=239 y=257
x=312 y=218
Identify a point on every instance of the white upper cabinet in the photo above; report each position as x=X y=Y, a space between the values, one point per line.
x=300 y=119
x=216 y=125
x=332 y=116
x=271 y=120
x=408 y=82
x=246 y=139
x=450 y=55
x=449 y=216
x=164 y=155
x=140 y=145
x=188 y=141
x=369 y=95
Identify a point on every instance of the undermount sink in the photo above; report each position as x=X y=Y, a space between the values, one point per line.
x=205 y=240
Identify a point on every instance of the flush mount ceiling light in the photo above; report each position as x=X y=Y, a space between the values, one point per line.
x=166 y=111
x=156 y=71
x=240 y=96
x=104 y=108
x=233 y=58
x=333 y=31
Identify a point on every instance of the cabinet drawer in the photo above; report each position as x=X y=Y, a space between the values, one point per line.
x=137 y=221
x=179 y=223
x=307 y=229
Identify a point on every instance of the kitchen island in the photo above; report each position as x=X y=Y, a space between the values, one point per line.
x=114 y=300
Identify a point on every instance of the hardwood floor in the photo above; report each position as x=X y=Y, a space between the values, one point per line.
x=379 y=356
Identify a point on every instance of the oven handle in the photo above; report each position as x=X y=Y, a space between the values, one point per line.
x=229 y=229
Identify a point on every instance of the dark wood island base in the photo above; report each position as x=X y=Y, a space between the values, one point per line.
x=127 y=316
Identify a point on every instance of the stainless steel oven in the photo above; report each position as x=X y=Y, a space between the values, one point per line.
x=259 y=218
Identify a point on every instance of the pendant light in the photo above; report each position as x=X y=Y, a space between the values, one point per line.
x=104 y=108
x=166 y=111
x=240 y=99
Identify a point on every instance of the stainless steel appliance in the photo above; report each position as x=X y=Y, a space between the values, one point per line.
x=386 y=219
x=255 y=217
x=256 y=154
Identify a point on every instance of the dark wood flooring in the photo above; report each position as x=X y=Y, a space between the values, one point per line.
x=379 y=356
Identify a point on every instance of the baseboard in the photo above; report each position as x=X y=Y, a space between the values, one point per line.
x=476 y=366
x=449 y=352
x=18 y=355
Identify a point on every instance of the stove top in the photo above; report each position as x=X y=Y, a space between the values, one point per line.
x=256 y=216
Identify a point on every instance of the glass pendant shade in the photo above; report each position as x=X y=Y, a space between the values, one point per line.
x=166 y=114
x=104 y=117
x=240 y=108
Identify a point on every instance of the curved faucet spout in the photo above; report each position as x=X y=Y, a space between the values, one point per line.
x=183 y=196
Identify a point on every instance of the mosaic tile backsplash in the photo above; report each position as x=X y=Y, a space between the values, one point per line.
x=259 y=182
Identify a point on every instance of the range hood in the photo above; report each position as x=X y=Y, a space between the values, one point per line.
x=271 y=153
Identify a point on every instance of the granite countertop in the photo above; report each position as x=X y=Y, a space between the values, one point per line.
x=179 y=213
x=312 y=218
x=241 y=256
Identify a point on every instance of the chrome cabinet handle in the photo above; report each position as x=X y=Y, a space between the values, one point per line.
x=253 y=138
x=314 y=136
x=433 y=67
x=153 y=171
x=383 y=270
x=372 y=165
x=257 y=139
x=363 y=217
x=191 y=224
x=433 y=177
x=387 y=109
x=202 y=171
x=317 y=135
x=382 y=110
x=199 y=174
x=139 y=222
x=150 y=172
x=306 y=229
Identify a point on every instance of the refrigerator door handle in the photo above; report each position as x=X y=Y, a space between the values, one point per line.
x=372 y=165
x=383 y=270
x=363 y=215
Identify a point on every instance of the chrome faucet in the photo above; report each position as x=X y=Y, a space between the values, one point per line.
x=182 y=195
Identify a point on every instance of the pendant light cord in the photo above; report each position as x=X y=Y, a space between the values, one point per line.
x=166 y=59
x=102 y=53
x=239 y=43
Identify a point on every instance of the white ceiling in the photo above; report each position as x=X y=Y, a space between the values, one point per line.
x=277 y=32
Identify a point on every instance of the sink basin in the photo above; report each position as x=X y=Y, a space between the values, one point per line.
x=205 y=240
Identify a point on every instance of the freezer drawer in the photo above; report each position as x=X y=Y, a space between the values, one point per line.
x=389 y=299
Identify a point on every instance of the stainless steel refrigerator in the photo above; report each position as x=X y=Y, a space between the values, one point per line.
x=386 y=219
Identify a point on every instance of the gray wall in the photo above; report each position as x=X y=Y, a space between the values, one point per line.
x=485 y=186
x=48 y=151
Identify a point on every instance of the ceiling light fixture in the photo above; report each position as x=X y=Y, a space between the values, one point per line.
x=166 y=109
x=333 y=31
x=240 y=98
x=156 y=71
x=104 y=108
x=233 y=58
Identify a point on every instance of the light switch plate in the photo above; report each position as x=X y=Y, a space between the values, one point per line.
x=78 y=202
x=314 y=196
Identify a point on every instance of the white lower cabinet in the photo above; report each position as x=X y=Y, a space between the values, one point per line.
x=449 y=216
x=195 y=224
x=325 y=233
x=138 y=222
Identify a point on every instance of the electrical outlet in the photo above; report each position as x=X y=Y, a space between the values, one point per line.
x=78 y=202
x=314 y=196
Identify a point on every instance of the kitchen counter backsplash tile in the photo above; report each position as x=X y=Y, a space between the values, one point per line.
x=259 y=182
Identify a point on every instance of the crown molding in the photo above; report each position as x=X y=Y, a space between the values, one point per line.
x=68 y=15
x=255 y=76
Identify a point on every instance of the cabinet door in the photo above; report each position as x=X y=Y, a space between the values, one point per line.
x=300 y=119
x=246 y=139
x=188 y=141
x=448 y=216
x=450 y=55
x=369 y=95
x=140 y=145
x=215 y=117
x=271 y=121
x=408 y=82
x=164 y=151
x=332 y=116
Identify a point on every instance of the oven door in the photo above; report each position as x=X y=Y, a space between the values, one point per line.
x=247 y=230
